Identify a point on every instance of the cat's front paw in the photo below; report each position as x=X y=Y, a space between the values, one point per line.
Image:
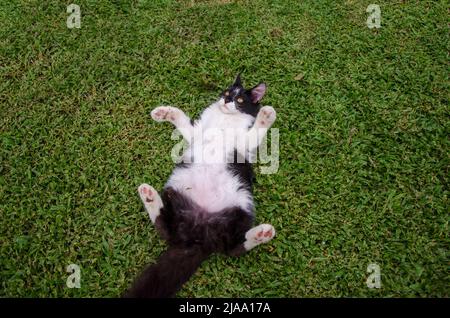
x=266 y=117
x=165 y=113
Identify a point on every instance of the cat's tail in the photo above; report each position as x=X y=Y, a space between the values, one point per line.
x=174 y=268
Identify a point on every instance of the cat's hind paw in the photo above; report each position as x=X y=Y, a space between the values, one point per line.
x=151 y=199
x=266 y=117
x=260 y=234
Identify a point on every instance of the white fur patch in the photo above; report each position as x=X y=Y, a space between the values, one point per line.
x=207 y=181
x=211 y=186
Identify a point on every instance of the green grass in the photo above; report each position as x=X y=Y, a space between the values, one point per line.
x=364 y=147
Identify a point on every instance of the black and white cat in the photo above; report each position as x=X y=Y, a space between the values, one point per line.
x=206 y=205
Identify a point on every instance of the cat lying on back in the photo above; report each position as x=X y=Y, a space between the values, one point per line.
x=206 y=205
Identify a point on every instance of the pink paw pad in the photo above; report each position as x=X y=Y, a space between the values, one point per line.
x=262 y=234
x=161 y=113
x=146 y=194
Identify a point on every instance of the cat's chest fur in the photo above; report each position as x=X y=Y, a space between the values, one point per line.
x=213 y=117
x=208 y=180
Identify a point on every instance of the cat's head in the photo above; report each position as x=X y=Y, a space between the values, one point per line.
x=236 y=99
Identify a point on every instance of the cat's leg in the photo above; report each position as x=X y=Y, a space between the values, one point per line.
x=264 y=120
x=175 y=116
x=151 y=199
x=260 y=234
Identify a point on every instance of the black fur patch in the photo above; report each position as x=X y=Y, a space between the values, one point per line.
x=243 y=170
x=192 y=234
x=185 y=224
x=236 y=92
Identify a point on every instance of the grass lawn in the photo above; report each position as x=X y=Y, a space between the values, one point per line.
x=364 y=142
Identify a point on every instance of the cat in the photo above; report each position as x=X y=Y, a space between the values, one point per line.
x=206 y=205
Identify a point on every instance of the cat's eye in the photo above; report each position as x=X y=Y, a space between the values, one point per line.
x=240 y=100
x=227 y=94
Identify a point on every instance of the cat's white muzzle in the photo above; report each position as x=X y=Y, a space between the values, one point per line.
x=227 y=108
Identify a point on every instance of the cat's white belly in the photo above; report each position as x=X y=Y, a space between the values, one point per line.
x=211 y=186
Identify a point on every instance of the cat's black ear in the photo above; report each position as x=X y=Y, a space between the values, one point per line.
x=257 y=92
x=237 y=81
